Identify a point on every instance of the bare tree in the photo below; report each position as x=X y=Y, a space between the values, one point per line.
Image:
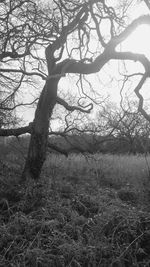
x=75 y=40
x=125 y=124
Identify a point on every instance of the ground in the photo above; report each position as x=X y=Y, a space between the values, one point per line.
x=87 y=210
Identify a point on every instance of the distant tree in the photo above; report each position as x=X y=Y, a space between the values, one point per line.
x=127 y=125
x=44 y=41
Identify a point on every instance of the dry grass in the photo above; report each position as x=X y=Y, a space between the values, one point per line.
x=86 y=211
x=108 y=170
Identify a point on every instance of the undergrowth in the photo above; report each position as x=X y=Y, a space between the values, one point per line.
x=72 y=218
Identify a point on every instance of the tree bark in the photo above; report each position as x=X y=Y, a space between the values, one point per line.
x=39 y=134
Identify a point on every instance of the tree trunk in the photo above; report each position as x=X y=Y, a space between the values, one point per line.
x=39 y=136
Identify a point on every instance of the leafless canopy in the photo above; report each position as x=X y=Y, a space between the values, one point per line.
x=43 y=41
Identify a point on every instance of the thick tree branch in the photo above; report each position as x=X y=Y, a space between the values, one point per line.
x=15 y=132
x=147 y=2
x=58 y=149
x=73 y=66
x=73 y=148
x=14 y=55
x=145 y=19
x=140 y=97
x=133 y=57
x=79 y=67
x=73 y=108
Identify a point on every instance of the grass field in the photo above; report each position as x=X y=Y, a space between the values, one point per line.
x=87 y=210
x=113 y=171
